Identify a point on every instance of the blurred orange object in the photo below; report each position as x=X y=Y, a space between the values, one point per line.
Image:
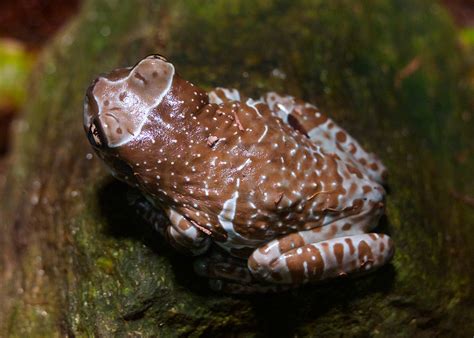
x=462 y=11
x=25 y=25
x=34 y=21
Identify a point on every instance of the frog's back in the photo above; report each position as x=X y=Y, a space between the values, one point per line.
x=272 y=179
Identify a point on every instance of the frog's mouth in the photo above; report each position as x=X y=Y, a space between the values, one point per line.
x=117 y=104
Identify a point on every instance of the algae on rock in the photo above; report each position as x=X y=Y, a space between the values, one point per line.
x=76 y=259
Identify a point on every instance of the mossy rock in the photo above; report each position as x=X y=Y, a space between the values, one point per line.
x=77 y=261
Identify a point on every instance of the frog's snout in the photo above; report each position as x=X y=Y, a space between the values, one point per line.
x=107 y=121
x=117 y=104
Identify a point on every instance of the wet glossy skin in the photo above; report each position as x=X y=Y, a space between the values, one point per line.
x=274 y=182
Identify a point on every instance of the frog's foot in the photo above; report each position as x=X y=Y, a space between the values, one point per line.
x=184 y=236
x=297 y=262
x=324 y=132
x=231 y=275
x=177 y=230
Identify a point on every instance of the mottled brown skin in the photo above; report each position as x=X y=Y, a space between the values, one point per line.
x=262 y=179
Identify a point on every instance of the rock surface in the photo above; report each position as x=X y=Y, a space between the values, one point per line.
x=75 y=260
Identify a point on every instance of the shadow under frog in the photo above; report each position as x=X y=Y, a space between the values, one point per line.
x=270 y=310
x=123 y=221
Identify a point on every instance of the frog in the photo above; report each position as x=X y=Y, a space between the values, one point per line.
x=267 y=194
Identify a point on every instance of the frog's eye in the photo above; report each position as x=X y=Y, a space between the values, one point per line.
x=96 y=135
x=157 y=56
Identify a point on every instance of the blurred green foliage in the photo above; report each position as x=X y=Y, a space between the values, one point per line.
x=15 y=67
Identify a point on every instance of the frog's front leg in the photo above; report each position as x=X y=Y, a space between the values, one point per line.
x=177 y=229
x=293 y=260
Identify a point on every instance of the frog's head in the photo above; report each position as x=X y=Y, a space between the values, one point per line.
x=117 y=104
x=130 y=113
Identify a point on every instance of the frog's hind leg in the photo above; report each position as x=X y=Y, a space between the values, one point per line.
x=339 y=247
x=292 y=263
x=307 y=119
x=298 y=258
x=255 y=275
x=324 y=132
